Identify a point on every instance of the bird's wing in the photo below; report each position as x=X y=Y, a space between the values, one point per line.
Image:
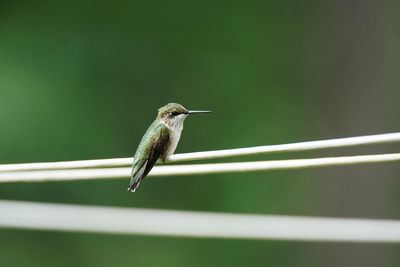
x=155 y=148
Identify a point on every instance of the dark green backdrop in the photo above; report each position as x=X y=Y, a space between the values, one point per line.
x=83 y=80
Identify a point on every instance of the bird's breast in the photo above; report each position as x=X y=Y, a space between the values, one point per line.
x=174 y=136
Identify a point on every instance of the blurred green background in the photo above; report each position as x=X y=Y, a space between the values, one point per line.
x=84 y=79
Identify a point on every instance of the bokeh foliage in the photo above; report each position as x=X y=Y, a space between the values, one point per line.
x=82 y=80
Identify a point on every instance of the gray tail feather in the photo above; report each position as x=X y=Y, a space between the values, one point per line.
x=137 y=177
x=134 y=184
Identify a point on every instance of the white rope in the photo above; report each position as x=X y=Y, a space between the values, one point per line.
x=81 y=174
x=107 y=220
x=302 y=146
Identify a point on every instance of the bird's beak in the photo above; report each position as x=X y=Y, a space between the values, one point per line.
x=198 y=111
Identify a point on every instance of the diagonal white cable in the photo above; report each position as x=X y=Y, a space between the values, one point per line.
x=83 y=174
x=302 y=146
x=134 y=221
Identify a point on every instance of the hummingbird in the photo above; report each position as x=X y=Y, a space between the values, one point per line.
x=159 y=141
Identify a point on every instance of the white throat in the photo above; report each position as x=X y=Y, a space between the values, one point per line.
x=175 y=127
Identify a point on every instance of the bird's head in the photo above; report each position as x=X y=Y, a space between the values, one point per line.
x=174 y=114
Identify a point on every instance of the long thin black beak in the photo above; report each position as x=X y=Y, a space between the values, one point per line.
x=198 y=111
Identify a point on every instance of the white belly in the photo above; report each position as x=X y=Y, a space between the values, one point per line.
x=174 y=136
x=175 y=128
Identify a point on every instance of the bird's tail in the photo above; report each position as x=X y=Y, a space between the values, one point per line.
x=135 y=181
x=137 y=177
x=134 y=184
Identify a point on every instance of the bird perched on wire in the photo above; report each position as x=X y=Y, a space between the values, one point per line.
x=159 y=141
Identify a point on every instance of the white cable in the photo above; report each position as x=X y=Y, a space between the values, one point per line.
x=82 y=174
x=107 y=220
x=302 y=146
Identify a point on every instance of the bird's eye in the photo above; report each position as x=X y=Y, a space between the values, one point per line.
x=175 y=113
